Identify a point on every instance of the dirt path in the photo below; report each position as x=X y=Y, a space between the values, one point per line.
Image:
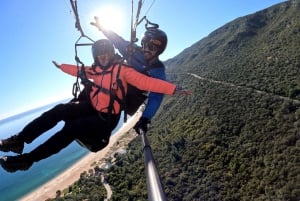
x=107 y=187
x=237 y=86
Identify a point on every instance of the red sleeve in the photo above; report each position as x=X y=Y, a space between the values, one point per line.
x=147 y=83
x=69 y=69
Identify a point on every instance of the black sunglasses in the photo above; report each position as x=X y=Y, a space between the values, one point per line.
x=149 y=47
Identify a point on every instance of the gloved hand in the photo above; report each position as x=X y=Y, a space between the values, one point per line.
x=97 y=23
x=56 y=64
x=180 y=91
x=183 y=92
x=142 y=124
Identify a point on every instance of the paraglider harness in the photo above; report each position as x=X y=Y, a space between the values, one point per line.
x=134 y=98
x=130 y=101
x=154 y=185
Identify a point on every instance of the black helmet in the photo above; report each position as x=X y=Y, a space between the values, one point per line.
x=101 y=47
x=156 y=37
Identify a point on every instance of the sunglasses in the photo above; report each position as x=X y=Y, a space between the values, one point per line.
x=149 y=47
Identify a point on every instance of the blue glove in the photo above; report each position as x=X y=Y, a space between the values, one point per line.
x=142 y=124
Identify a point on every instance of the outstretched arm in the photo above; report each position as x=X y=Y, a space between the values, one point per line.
x=119 y=42
x=56 y=64
x=67 y=68
x=184 y=92
x=131 y=52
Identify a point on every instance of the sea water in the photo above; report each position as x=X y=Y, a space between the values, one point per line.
x=16 y=185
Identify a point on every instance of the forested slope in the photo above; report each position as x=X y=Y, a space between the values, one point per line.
x=228 y=142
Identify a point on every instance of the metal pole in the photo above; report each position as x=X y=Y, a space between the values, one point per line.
x=154 y=186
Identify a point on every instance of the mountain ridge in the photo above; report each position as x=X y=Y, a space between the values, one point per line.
x=227 y=141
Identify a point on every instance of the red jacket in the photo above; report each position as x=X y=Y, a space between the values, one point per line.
x=128 y=75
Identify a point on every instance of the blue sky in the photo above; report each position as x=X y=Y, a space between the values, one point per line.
x=35 y=32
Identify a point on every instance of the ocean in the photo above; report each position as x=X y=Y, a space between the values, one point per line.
x=13 y=186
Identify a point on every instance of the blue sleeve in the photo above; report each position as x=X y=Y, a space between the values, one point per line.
x=136 y=60
x=154 y=99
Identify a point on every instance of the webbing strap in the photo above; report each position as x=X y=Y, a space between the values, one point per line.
x=76 y=85
x=120 y=85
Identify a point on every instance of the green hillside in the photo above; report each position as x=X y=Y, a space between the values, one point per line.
x=238 y=136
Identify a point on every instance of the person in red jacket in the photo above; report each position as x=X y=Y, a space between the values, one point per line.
x=88 y=122
x=145 y=59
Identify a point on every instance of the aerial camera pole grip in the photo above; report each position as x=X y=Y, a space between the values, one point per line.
x=154 y=185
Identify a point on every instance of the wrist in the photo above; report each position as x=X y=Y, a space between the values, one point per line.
x=145 y=120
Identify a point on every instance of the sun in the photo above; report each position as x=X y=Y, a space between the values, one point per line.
x=111 y=17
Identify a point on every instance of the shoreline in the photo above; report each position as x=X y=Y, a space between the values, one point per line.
x=72 y=174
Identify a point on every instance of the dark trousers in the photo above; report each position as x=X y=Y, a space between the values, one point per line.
x=82 y=123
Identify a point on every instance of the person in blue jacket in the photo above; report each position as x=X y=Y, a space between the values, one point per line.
x=144 y=59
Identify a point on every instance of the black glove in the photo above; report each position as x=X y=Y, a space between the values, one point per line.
x=142 y=124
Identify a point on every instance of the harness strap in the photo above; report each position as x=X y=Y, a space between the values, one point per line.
x=120 y=85
x=110 y=91
x=113 y=96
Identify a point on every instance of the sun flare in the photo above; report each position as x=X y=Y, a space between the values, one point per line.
x=111 y=17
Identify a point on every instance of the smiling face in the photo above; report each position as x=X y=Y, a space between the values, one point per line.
x=105 y=59
x=154 y=42
x=150 y=50
x=103 y=53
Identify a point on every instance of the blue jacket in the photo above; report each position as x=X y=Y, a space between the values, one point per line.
x=139 y=63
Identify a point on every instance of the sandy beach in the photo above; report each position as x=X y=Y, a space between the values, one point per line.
x=64 y=180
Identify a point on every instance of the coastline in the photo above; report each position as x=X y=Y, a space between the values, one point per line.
x=72 y=174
